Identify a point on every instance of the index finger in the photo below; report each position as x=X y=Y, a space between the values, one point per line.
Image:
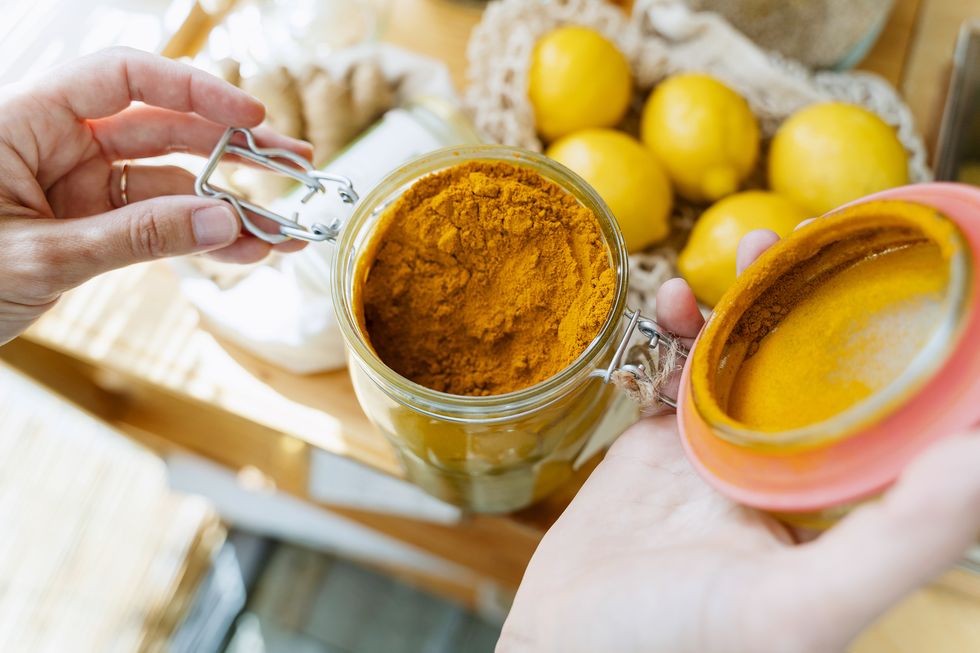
x=105 y=83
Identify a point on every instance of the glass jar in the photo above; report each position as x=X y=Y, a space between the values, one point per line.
x=811 y=467
x=489 y=453
x=835 y=34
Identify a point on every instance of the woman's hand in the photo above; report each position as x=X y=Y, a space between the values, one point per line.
x=63 y=215
x=649 y=558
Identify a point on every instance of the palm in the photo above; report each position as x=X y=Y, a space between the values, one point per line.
x=647 y=531
x=73 y=173
x=650 y=558
x=84 y=185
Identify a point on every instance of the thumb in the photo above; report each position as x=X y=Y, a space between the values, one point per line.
x=888 y=548
x=142 y=231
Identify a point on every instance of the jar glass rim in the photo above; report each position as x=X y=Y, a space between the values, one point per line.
x=926 y=362
x=442 y=404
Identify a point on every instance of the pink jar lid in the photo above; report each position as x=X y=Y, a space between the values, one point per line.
x=867 y=462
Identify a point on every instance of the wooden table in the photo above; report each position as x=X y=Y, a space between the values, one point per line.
x=129 y=348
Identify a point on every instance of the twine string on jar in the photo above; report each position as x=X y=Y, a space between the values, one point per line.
x=646 y=371
x=647 y=384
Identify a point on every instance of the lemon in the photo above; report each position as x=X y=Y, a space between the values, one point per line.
x=577 y=79
x=708 y=259
x=826 y=155
x=628 y=178
x=703 y=133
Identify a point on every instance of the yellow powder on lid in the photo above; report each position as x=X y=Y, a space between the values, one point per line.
x=483 y=279
x=849 y=337
x=829 y=317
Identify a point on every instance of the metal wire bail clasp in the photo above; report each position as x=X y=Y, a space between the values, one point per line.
x=286 y=163
x=653 y=339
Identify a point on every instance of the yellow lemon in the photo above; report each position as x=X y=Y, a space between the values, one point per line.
x=826 y=155
x=708 y=260
x=577 y=79
x=703 y=133
x=626 y=175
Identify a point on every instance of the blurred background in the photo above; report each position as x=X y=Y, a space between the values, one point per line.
x=168 y=483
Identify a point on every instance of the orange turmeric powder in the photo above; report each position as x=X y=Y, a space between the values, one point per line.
x=484 y=278
x=830 y=316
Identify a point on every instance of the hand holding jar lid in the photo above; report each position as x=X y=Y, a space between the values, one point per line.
x=841 y=355
x=646 y=535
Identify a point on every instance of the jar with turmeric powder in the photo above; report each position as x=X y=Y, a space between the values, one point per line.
x=840 y=355
x=479 y=291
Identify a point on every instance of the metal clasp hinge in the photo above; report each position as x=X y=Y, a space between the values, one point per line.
x=286 y=163
x=654 y=337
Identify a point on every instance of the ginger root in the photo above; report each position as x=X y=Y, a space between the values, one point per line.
x=330 y=123
x=371 y=93
x=277 y=90
x=314 y=106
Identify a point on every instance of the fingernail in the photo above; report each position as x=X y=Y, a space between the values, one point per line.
x=215 y=225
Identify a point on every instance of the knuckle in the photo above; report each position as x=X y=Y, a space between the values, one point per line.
x=147 y=235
